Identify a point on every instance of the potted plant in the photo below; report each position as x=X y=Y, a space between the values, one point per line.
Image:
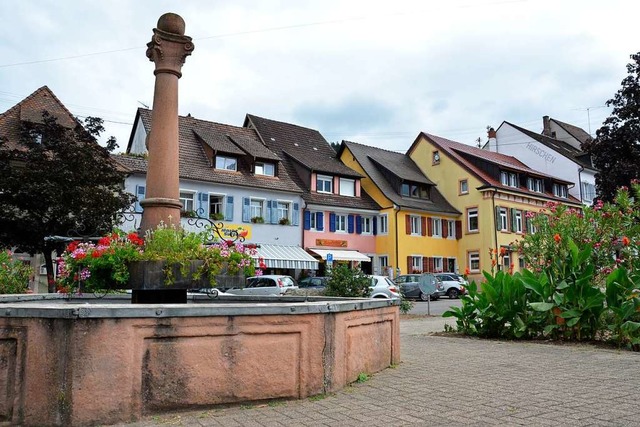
x=188 y=214
x=216 y=216
x=257 y=220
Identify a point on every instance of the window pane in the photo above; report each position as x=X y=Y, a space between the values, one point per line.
x=347 y=187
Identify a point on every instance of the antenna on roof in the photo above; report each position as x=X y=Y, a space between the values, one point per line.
x=144 y=105
x=479 y=141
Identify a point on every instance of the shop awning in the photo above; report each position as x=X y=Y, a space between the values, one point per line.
x=280 y=256
x=341 y=254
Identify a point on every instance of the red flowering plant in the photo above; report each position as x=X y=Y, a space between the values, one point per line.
x=99 y=265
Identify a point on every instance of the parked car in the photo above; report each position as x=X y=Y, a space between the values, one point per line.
x=410 y=286
x=313 y=283
x=454 y=284
x=382 y=287
x=265 y=285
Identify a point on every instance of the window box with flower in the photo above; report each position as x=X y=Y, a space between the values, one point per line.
x=257 y=220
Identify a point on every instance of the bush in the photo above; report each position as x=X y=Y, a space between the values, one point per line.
x=14 y=274
x=345 y=282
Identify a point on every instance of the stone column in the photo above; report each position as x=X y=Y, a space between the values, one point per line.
x=168 y=49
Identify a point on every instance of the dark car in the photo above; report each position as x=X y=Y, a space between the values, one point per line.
x=313 y=283
x=410 y=286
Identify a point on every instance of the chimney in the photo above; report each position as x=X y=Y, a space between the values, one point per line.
x=546 y=126
x=492 y=143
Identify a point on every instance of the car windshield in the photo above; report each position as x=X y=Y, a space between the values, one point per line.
x=287 y=281
x=388 y=282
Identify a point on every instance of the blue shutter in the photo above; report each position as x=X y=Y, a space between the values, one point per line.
x=350 y=224
x=320 y=221
x=274 y=212
x=295 y=216
x=358 y=224
x=307 y=220
x=203 y=205
x=140 y=191
x=375 y=225
x=228 y=210
x=246 y=209
x=267 y=212
x=332 y=222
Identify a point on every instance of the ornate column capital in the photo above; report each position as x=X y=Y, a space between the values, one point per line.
x=169 y=47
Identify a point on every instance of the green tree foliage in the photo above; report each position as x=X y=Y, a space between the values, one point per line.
x=616 y=148
x=346 y=282
x=57 y=181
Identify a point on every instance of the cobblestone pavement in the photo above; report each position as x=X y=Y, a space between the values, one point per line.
x=447 y=381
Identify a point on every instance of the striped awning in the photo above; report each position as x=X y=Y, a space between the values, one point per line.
x=280 y=256
x=341 y=254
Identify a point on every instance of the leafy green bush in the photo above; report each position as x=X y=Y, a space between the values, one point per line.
x=623 y=309
x=14 y=274
x=346 y=282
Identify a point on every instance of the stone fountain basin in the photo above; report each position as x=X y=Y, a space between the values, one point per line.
x=85 y=361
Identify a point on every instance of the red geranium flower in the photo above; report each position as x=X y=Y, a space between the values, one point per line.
x=105 y=241
x=135 y=239
x=625 y=241
x=72 y=246
x=557 y=238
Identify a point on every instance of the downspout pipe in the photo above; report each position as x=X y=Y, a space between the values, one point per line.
x=580 y=170
x=397 y=209
x=495 y=225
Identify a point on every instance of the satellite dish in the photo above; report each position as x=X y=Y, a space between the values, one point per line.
x=427 y=284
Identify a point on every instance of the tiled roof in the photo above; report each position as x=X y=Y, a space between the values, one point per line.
x=561 y=147
x=30 y=109
x=373 y=160
x=464 y=154
x=575 y=131
x=307 y=146
x=298 y=145
x=195 y=165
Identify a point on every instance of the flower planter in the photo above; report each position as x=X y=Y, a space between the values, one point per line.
x=150 y=275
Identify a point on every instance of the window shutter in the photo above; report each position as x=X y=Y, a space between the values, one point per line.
x=527 y=223
x=432 y=265
x=458 y=230
x=408 y=223
x=409 y=265
x=274 y=213
x=375 y=225
x=425 y=265
x=350 y=224
x=514 y=226
x=332 y=222
x=429 y=223
x=140 y=191
x=307 y=220
x=295 y=215
x=445 y=228
x=228 y=209
x=203 y=205
x=246 y=209
x=498 y=225
x=358 y=224
x=320 y=221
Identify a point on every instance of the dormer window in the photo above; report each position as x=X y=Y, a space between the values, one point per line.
x=268 y=169
x=535 y=184
x=509 y=179
x=347 y=187
x=416 y=191
x=560 y=190
x=324 y=184
x=226 y=163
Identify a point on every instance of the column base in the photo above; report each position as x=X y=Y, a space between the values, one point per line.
x=159 y=209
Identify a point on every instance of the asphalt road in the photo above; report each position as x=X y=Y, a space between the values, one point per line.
x=434 y=308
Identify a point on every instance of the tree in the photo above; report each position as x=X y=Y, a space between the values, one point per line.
x=335 y=145
x=57 y=181
x=616 y=148
x=347 y=282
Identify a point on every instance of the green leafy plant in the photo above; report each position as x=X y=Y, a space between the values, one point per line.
x=14 y=274
x=346 y=282
x=257 y=220
x=363 y=377
x=216 y=216
x=623 y=308
x=284 y=221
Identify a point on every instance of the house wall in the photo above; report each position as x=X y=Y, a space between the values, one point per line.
x=256 y=233
x=542 y=158
x=563 y=135
x=138 y=144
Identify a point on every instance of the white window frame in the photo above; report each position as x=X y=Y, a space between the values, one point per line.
x=560 y=190
x=473 y=213
x=384 y=224
x=284 y=209
x=436 y=227
x=504 y=219
x=464 y=186
x=262 y=168
x=535 y=185
x=451 y=229
x=416 y=259
x=383 y=263
x=348 y=187
x=406 y=187
x=185 y=200
x=222 y=203
x=226 y=162
x=366 y=225
x=473 y=257
x=510 y=179
x=342 y=223
x=416 y=225
x=506 y=258
x=312 y=221
x=324 y=179
x=588 y=191
x=253 y=209
x=438 y=266
x=518 y=221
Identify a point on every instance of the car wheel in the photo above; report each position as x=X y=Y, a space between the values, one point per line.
x=453 y=293
x=424 y=297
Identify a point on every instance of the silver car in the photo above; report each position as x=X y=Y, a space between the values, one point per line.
x=454 y=284
x=382 y=287
x=265 y=285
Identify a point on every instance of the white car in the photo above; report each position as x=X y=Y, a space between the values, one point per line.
x=382 y=287
x=265 y=285
x=454 y=284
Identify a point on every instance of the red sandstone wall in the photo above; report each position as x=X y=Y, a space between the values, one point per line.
x=88 y=371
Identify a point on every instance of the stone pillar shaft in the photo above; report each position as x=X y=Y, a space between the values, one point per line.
x=168 y=49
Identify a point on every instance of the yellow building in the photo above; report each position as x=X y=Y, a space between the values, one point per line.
x=494 y=192
x=418 y=230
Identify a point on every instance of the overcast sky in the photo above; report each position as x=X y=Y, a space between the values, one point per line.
x=374 y=72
